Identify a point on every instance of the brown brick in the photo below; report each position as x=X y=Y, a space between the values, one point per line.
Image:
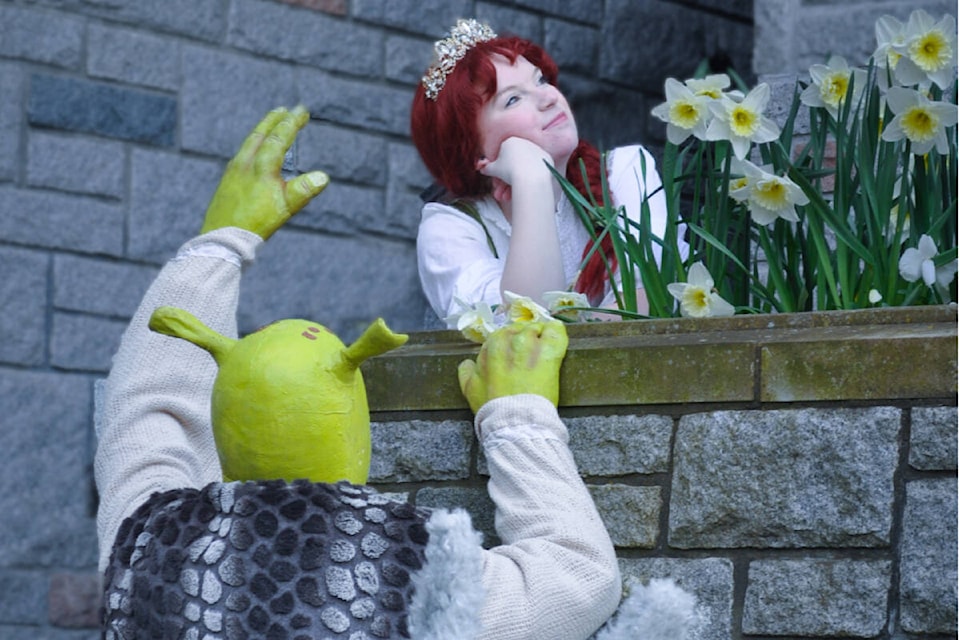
x=75 y=600
x=335 y=7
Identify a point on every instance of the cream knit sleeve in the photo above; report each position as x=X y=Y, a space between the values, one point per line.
x=555 y=576
x=153 y=416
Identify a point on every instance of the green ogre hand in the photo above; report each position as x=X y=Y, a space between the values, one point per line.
x=523 y=357
x=252 y=195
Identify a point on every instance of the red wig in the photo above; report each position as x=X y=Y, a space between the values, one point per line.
x=447 y=136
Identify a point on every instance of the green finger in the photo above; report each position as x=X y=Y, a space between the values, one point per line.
x=555 y=333
x=270 y=154
x=464 y=372
x=304 y=188
x=252 y=142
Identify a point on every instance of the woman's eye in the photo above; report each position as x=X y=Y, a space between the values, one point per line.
x=511 y=101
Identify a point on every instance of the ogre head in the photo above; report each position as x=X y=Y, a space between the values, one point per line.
x=289 y=400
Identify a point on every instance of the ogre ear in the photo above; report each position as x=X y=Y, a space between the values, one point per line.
x=377 y=339
x=171 y=321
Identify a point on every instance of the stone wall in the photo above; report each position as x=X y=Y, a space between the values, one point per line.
x=780 y=468
x=116 y=119
x=791 y=35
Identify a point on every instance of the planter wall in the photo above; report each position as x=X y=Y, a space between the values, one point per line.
x=796 y=472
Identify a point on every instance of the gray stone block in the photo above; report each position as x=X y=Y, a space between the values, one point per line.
x=475 y=501
x=417 y=450
x=656 y=28
x=78 y=164
x=845 y=30
x=203 y=19
x=928 y=558
x=933 y=438
x=51 y=522
x=96 y=286
x=23 y=290
x=10 y=632
x=407 y=59
x=84 y=343
x=11 y=120
x=224 y=95
x=730 y=45
x=305 y=37
x=792 y=35
x=133 y=57
x=510 y=21
x=50 y=37
x=583 y=11
x=784 y=479
x=402 y=211
x=409 y=14
x=408 y=179
x=355 y=103
x=620 y=445
x=630 y=514
x=87 y=107
x=169 y=194
x=662 y=25
x=342 y=209
x=773 y=44
x=817 y=597
x=23 y=597
x=782 y=89
x=344 y=154
x=574 y=47
x=60 y=221
x=343 y=283
x=709 y=580
x=741 y=8
x=75 y=600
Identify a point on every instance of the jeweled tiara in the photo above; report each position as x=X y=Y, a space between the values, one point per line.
x=465 y=35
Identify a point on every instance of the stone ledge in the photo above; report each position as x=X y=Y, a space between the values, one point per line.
x=868 y=354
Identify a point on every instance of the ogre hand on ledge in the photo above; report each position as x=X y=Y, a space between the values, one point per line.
x=252 y=195
x=522 y=357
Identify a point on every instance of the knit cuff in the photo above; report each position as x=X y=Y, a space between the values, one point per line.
x=523 y=415
x=230 y=244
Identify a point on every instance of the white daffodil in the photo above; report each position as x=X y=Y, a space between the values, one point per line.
x=930 y=51
x=742 y=123
x=768 y=196
x=712 y=86
x=920 y=120
x=874 y=296
x=917 y=263
x=697 y=296
x=891 y=41
x=684 y=112
x=560 y=304
x=830 y=84
x=524 y=309
x=475 y=322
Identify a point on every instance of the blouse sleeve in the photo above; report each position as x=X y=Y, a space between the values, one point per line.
x=454 y=260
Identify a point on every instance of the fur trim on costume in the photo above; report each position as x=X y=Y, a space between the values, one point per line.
x=448 y=592
x=659 y=610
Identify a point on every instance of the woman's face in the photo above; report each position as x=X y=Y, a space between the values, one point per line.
x=527 y=106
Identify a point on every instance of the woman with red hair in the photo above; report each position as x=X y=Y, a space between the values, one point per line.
x=487 y=121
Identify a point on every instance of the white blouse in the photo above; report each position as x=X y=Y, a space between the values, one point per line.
x=454 y=257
